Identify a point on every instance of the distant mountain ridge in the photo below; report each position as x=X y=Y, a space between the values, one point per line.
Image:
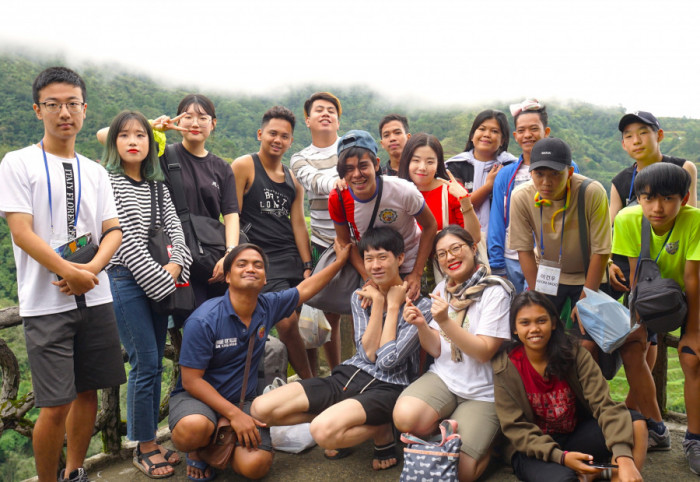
x=590 y=130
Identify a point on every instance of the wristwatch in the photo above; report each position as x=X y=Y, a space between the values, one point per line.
x=308 y=265
x=229 y=249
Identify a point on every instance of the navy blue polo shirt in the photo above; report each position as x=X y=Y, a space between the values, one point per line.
x=215 y=340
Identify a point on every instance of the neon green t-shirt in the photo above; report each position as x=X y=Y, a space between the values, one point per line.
x=682 y=246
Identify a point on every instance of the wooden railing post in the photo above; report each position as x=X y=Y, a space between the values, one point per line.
x=108 y=421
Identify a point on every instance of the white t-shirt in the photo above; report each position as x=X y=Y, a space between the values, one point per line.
x=401 y=201
x=24 y=189
x=469 y=378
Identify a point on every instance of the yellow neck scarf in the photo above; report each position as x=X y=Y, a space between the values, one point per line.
x=540 y=202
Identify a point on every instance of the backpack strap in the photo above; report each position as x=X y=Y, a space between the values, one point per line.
x=246 y=370
x=380 y=184
x=172 y=164
x=583 y=224
x=152 y=188
x=645 y=251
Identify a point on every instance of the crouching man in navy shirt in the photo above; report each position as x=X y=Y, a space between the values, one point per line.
x=213 y=358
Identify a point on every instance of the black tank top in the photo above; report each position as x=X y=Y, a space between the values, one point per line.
x=623 y=180
x=266 y=216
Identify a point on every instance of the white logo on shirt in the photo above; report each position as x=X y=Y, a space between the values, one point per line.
x=225 y=343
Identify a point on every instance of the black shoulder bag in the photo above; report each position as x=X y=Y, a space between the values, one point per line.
x=181 y=301
x=659 y=302
x=206 y=237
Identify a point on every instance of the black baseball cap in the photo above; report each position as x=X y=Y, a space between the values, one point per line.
x=639 y=116
x=550 y=152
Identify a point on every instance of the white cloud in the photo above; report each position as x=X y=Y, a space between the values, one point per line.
x=639 y=54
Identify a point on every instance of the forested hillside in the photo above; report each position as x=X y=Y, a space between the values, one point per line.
x=590 y=130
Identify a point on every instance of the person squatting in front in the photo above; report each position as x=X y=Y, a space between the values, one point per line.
x=470 y=322
x=212 y=360
x=356 y=401
x=554 y=405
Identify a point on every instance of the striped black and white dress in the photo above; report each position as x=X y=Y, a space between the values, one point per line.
x=133 y=200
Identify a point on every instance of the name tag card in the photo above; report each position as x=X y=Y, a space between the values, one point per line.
x=548 y=278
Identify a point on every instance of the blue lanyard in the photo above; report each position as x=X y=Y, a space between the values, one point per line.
x=48 y=180
x=665 y=242
x=634 y=174
x=561 y=239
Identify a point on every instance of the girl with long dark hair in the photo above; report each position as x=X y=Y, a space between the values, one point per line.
x=554 y=405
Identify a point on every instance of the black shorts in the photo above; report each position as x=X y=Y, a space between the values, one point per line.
x=376 y=397
x=183 y=404
x=280 y=284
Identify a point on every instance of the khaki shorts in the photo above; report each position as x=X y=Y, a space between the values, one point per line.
x=477 y=423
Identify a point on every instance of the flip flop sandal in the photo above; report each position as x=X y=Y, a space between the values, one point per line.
x=340 y=454
x=140 y=457
x=386 y=452
x=202 y=466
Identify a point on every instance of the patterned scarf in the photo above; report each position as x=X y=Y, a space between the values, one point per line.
x=461 y=296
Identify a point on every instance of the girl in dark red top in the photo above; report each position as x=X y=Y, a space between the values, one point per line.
x=554 y=404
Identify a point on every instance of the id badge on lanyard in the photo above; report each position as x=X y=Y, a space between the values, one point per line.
x=549 y=272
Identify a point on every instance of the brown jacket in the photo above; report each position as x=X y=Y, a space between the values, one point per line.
x=591 y=390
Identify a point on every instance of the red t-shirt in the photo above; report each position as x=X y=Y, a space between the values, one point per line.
x=552 y=400
x=434 y=201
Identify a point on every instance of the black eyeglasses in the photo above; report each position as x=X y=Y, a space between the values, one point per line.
x=55 y=107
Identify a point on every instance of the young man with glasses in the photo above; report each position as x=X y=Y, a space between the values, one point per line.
x=53 y=198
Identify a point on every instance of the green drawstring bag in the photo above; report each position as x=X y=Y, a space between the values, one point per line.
x=565 y=314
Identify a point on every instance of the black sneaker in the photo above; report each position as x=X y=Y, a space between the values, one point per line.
x=78 y=475
x=659 y=442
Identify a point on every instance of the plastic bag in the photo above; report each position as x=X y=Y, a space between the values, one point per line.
x=605 y=319
x=313 y=327
x=289 y=438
